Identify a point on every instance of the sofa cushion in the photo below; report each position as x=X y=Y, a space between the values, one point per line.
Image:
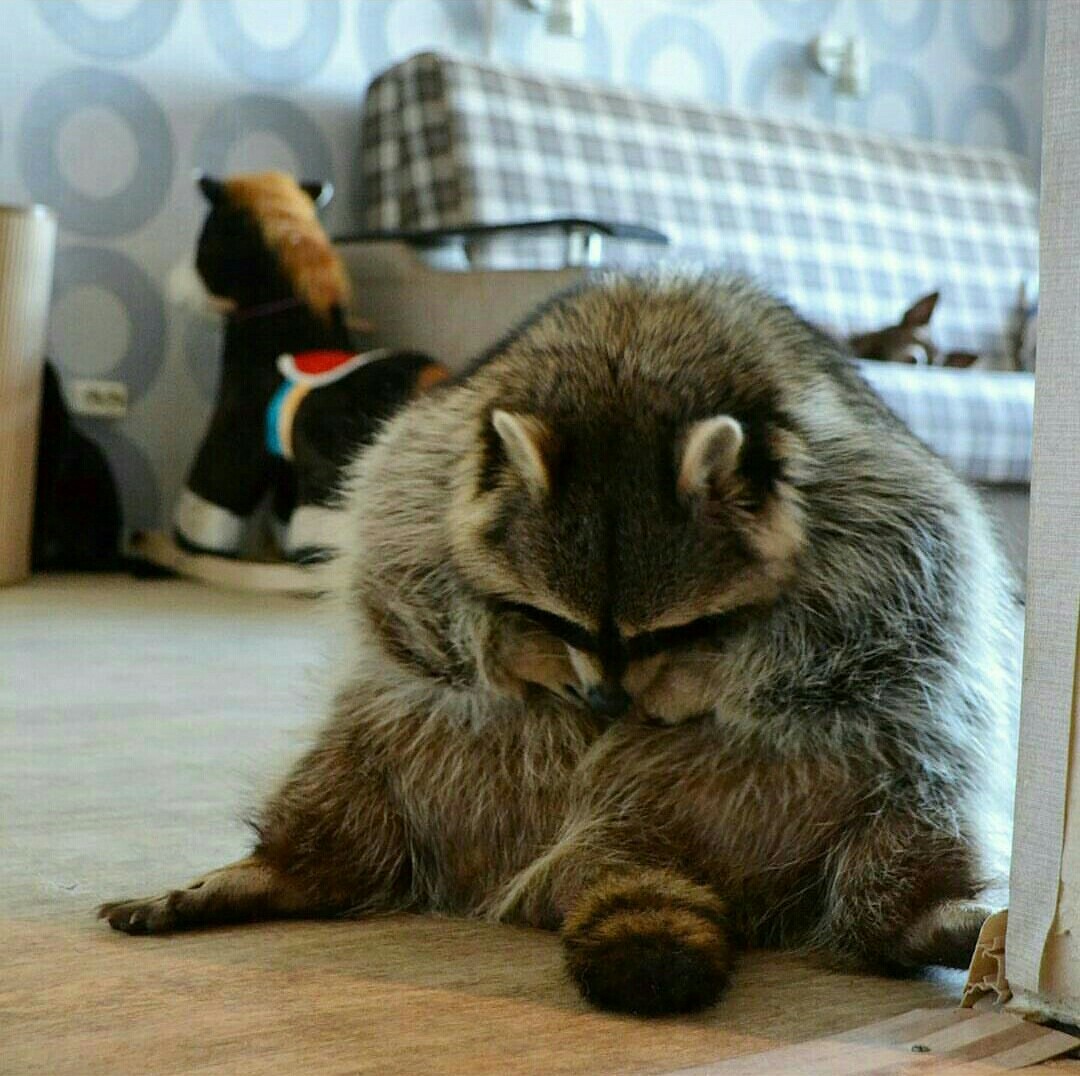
x=979 y=422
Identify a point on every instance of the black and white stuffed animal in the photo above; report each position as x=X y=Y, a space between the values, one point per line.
x=295 y=398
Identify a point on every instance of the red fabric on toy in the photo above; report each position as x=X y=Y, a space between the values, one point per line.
x=320 y=362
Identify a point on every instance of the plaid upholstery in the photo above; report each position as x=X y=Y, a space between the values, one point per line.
x=850 y=228
x=978 y=422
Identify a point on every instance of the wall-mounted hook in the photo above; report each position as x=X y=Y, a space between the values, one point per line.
x=843 y=59
x=564 y=18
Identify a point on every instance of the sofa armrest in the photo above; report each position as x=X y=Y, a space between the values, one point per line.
x=584 y=236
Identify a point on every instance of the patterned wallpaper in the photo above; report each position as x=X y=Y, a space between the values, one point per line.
x=106 y=107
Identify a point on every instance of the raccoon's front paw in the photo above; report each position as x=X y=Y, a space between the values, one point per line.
x=147 y=915
x=674 y=700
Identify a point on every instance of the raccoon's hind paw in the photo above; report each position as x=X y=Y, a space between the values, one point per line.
x=650 y=943
x=945 y=935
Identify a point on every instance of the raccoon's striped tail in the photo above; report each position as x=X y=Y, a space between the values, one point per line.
x=649 y=943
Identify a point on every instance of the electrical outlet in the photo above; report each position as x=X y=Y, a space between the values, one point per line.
x=101 y=399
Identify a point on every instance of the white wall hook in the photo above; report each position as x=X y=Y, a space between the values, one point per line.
x=563 y=18
x=843 y=60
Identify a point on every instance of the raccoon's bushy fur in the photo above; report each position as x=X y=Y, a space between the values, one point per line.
x=666 y=632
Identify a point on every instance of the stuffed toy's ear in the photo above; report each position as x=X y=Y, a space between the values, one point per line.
x=319 y=193
x=213 y=189
x=960 y=360
x=920 y=312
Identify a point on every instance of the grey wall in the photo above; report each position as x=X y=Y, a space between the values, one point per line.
x=110 y=104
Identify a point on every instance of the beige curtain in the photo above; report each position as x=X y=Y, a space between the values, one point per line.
x=1043 y=943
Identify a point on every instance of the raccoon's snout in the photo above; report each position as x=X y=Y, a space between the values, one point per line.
x=599 y=687
x=611 y=700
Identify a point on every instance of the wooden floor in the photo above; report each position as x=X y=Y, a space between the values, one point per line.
x=136 y=720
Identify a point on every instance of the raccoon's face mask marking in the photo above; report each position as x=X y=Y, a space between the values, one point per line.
x=606 y=674
x=665 y=676
x=618 y=546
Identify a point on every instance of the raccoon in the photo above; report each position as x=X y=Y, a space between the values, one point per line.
x=666 y=634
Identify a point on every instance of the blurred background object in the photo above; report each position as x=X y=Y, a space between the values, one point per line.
x=108 y=106
x=27 y=246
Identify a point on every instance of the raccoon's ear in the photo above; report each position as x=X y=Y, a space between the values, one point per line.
x=528 y=443
x=710 y=453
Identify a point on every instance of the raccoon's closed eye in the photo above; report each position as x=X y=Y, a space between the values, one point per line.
x=646 y=645
x=650 y=643
x=570 y=633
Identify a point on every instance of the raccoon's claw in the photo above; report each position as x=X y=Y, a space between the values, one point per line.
x=149 y=915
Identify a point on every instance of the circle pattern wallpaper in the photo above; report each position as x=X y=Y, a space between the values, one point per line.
x=109 y=107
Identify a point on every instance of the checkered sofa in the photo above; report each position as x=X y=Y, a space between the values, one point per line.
x=851 y=228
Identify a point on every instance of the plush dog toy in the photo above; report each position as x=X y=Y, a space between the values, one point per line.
x=909 y=341
x=295 y=399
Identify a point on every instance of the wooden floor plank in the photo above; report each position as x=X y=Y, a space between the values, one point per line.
x=137 y=719
x=932 y=1042
x=394 y=995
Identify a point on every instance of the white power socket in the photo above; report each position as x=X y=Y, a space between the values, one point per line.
x=100 y=399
